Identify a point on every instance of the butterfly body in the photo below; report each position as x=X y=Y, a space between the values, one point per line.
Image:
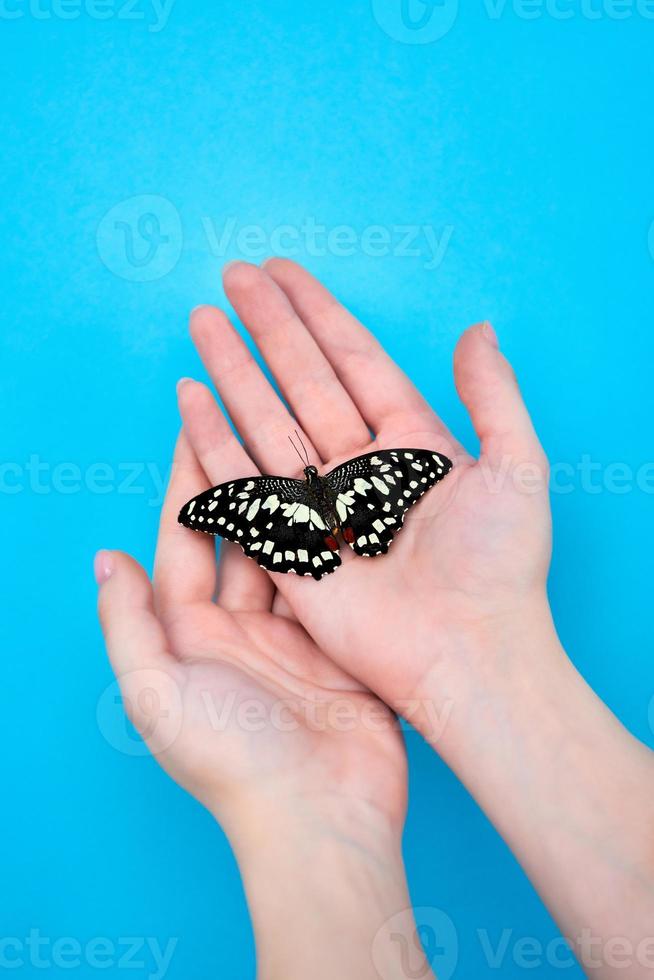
x=322 y=497
x=290 y=525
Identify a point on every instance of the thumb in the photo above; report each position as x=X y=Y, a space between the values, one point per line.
x=136 y=642
x=488 y=388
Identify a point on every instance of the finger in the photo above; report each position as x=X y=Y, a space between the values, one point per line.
x=489 y=390
x=134 y=636
x=148 y=673
x=306 y=378
x=385 y=397
x=185 y=564
x=281 y=607
x=258 y=413
x=243 y=585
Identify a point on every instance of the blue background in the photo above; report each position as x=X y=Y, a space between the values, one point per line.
x=528 y=143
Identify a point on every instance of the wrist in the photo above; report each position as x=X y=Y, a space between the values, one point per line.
x=492 y=662
x=322 y=881
x=560 y=778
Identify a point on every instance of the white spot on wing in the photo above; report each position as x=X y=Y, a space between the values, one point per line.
x=254 y=507
x=344 y=502
x=271 y=503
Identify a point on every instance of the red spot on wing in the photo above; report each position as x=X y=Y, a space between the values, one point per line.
x=348 y=534
x=331 y=543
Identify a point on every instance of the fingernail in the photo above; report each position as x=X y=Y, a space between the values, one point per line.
x=490 y=335
x=103 y=566
x=231 y=264
x=182 y=381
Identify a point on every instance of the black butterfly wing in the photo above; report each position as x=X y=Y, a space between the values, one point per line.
x=374 y=492
x=271 y=518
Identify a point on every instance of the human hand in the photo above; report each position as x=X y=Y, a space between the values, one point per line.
x=452 y=627
x=473 y=554
x=304 y=768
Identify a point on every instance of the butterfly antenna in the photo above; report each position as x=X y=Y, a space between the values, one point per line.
x=296 y=450
x=306 y=455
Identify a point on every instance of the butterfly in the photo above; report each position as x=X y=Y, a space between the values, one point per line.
x=289 y=525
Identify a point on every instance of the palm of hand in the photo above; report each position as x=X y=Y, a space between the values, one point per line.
x=466 y=554
x=264 y=714
x=471 y=548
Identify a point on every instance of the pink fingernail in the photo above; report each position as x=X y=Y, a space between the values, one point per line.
x=490 y=335
x=103 y=566
x=183 y=381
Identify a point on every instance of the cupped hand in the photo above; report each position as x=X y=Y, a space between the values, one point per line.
x=473 y=554
x=234 y=699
